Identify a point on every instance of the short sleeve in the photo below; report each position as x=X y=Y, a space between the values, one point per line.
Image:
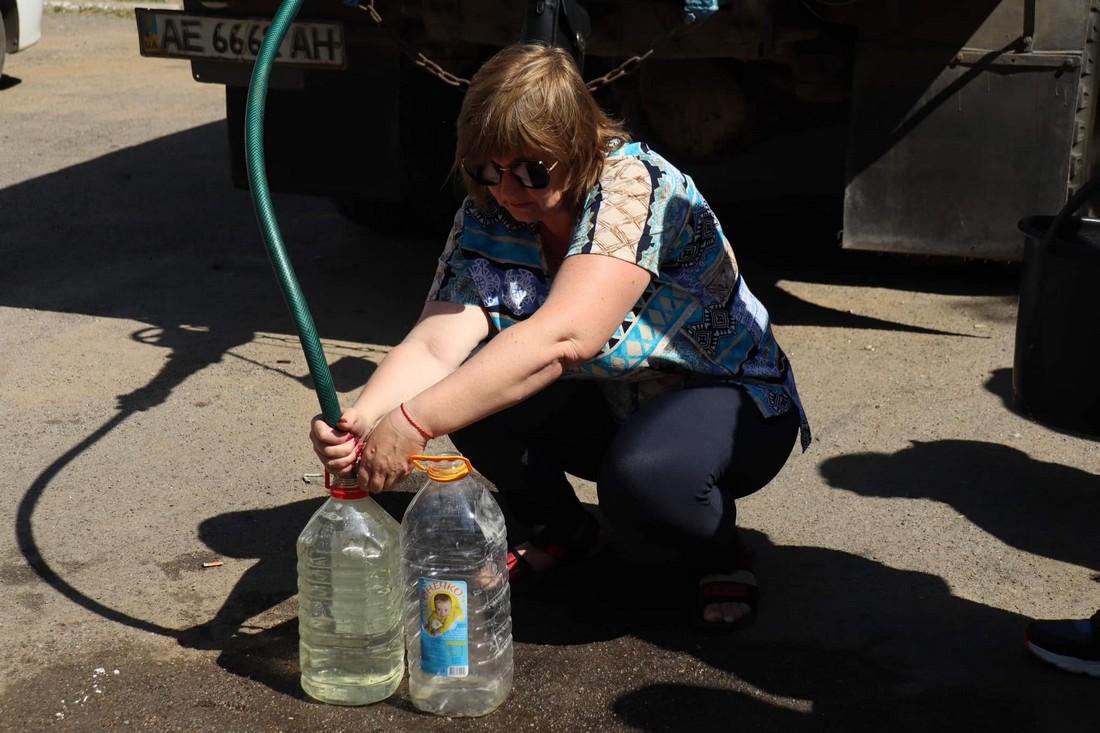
x=618 y=215
x=453 y=282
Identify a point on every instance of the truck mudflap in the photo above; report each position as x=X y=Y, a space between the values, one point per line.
x=953 y=140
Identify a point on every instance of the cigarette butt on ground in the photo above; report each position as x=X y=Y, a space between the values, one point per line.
x=216 y=564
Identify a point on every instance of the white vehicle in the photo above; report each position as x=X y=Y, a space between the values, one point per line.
x=20 y=26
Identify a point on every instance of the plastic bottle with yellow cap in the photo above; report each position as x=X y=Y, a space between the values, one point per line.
x=458 y=620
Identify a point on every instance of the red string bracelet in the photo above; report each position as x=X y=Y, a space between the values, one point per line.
x=422 y=431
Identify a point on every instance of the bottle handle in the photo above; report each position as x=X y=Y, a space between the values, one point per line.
x=429 y=464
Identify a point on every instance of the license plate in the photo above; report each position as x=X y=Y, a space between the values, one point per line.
x=181 y=35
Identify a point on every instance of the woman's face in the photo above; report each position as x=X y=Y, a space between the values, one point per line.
x=529 y=205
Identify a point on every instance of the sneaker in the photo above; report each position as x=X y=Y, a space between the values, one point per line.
x=1072 y=645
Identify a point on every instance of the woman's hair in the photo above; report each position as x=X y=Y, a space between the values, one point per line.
x=530 y=99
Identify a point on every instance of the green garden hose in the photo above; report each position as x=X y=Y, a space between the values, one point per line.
x=269 y=228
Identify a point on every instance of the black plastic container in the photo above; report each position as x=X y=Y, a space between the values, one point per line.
x=1056 y=372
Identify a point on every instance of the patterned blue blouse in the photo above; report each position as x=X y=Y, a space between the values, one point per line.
x=696 y=323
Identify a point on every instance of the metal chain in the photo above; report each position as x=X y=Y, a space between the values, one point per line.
x=632 y=63
x=421 y=60
x=623 y=69
x=619 y=71
x=436 y=70
x=369 y=7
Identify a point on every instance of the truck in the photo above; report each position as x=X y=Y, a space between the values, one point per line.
x=925 y=127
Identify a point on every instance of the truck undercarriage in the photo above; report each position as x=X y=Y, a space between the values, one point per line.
x=934 y=125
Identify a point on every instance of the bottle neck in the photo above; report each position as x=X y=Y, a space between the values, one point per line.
x=344 y=488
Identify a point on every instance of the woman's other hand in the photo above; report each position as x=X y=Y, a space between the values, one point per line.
x=384 y=460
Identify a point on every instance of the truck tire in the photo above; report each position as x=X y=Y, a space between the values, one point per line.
x=427 y=110
x=429 y=219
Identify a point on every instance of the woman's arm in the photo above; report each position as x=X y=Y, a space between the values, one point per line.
x=441 y=340
x=443 y=337
x=589 y=299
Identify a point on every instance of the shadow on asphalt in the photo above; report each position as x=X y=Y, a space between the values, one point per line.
x=1038 y=507
x=881 y=648
x=182 y=254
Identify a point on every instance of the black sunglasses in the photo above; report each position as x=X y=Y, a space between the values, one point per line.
x=529 y=173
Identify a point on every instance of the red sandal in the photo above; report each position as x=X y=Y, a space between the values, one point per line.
x=584 y=543
x=737 y=587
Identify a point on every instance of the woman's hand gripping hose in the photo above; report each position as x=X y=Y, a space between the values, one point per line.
x=377 y=457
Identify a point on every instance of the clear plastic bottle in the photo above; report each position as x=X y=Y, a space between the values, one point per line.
x=458 y=616
x=351 y=649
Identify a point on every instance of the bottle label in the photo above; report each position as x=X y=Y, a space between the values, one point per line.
x=444 y=641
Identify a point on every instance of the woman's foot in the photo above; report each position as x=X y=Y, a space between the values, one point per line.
x=542 y=554
x=529 y=558
x=726 y=601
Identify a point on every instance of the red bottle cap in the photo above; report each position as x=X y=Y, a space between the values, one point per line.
x=344 y=489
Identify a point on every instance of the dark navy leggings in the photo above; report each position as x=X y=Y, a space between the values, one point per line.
x=670 y=473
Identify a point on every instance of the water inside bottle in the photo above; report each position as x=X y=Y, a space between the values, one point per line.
x=351 y=649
